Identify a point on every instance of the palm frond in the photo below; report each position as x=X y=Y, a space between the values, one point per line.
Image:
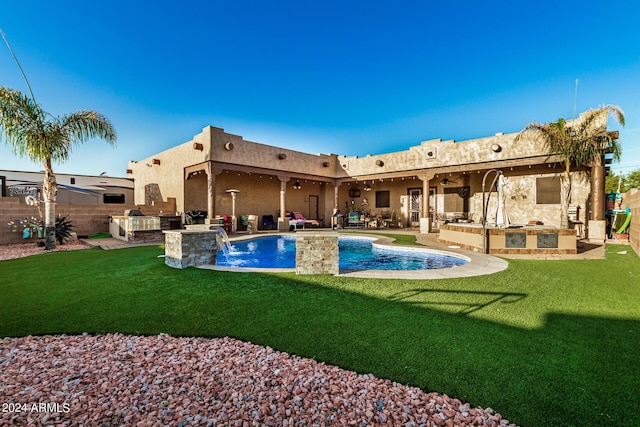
x=86 y=124
x=21 y=121
x=579 y=141
x=45 y=139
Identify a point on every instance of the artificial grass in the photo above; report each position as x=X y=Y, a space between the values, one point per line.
x=398 y=239
x=543 y=342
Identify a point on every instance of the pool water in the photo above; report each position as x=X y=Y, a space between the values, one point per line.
x=356 y=253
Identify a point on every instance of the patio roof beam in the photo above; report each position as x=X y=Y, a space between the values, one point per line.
x=529 y=161
x=274 y=172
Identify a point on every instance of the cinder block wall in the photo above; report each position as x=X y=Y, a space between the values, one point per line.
x=632 y=200
x=86 y=219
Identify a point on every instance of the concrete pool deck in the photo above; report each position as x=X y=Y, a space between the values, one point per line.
x=479 y=264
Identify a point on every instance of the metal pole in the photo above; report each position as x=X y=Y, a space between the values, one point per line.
x=485 y=206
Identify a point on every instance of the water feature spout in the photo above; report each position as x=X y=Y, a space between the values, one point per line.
x=222 y=242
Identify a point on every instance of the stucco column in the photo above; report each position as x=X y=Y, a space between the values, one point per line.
x=425 y=221
x=597 y=225
x=336 y=185
x=283 y=221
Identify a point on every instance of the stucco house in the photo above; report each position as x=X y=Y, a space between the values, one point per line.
x=427 y=184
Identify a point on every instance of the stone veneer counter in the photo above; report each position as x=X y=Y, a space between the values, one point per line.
x=516 y=240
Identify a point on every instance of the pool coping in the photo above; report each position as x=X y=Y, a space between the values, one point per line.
x=478 y=265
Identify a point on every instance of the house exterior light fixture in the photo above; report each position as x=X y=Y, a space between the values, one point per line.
x=296 y=185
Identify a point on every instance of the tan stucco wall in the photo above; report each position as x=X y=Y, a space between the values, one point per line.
x=438 y=154
x=468 y=239
x=253 y=154
x=500 y=150
x=631 y=199
x=169 y=174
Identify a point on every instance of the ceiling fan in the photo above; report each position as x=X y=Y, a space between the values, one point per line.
x=446 y=181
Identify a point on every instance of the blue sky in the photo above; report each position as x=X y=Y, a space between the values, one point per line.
x=344 y=77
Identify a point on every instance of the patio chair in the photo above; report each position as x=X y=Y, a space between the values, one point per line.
x=385 y=218
x=297 y=220
x=392 y=221
x=268 y=223
x=354 y=219
x=227 y=223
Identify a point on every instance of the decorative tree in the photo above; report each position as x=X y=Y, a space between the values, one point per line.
x=578 y=142
x=43 y=138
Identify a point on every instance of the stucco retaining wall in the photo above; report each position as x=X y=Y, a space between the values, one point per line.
x=470 y=238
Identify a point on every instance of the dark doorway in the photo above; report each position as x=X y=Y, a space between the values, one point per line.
x=313 y=207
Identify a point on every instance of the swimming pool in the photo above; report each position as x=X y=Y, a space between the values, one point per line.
x=356 y=253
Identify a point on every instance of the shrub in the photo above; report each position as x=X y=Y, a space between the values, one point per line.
x=31 y=227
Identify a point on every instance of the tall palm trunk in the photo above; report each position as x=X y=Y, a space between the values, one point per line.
x=50 y=190
x=565 y=198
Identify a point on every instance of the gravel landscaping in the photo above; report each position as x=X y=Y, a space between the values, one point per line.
x=20 y=250
x=114 y=379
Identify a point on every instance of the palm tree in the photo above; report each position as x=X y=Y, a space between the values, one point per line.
x=43 y=138
x=578 y=142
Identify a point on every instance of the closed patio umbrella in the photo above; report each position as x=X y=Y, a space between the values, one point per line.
x=502 y=218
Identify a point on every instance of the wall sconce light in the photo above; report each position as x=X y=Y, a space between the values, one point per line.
x=198 y=146
x=367 y=187
x=379 y=163
x=296 y=185
x=496 y=148
x=156 y=161
x=228 y=146
x=282 y=156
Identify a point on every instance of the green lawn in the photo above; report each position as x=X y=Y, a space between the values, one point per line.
x=543 y=342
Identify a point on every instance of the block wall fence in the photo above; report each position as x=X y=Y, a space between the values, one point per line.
x=632 y=199
x=86 y=219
